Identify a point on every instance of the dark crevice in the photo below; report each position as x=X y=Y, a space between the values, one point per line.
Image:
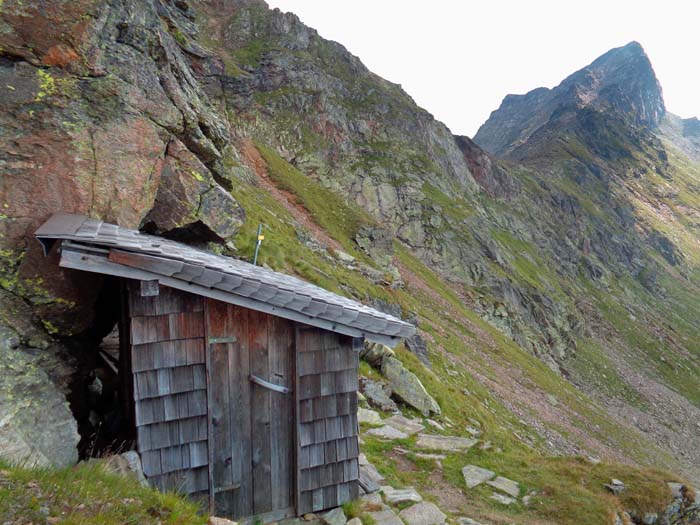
x=94 y=394
x=195 y=234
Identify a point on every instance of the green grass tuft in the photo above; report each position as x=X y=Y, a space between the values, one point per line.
x=87 y=494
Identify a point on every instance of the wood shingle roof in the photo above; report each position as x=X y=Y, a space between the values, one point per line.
x=93 y=245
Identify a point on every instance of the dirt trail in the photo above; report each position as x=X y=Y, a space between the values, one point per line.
x=255 y=161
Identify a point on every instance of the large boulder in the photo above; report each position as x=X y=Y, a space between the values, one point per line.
x=374 y=353
x=190 y=202
x=36 y=424
x=407 y=387
x=378 y=394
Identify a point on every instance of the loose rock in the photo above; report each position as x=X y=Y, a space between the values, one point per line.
x=372 y=501
x=387 y=432
x=435 y=424
x=474 y=475
x=378 y=394
x=615 y=486
x=213 y=520
x=407 y=387
x=473 y=431
x=374 y=353
x=506 y=485
x=397 y=496
x=408 y=426
x=370 y=478
x=446 y=443
x=676 y=489
x=37 y=427
x=385 y=517
x=500 y=498
x=371 y=417
x=127 y=463
x=424 y=513
x=334 y=517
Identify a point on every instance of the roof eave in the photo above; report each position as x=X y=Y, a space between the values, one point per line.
x=94 y=261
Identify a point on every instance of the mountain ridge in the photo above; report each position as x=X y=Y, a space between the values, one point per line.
x=622 y=79
x=554 y=288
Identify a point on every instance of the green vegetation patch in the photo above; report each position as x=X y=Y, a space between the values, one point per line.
x=87 y=494
x=328 y=209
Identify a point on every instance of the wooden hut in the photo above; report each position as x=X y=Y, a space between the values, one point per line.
x=240 y=382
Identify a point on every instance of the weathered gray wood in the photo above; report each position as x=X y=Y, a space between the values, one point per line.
x=261 y=415
x=251 y=293
x=280 y=342
x=317 y=498
x=149 y=288
x=220 y=395
x=240 y=409
x=150 y=461
x=198 y=454
x=171 y=459
x=190 y=429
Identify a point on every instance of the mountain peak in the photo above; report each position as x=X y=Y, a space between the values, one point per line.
x=621 y=81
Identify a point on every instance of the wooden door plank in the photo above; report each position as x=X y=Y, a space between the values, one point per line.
x=280 y=341
x=219 y=398
x=260 y=407
x=240 y=409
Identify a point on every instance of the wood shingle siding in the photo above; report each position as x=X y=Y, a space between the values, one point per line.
x=169 y=387
x=327 y=429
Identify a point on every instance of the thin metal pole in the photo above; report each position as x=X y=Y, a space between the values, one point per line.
x=258 y=243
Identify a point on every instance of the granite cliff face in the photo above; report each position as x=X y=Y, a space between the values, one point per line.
x=568 y=224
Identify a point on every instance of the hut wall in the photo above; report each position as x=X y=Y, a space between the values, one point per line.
x=170 y=387
x=327 y=441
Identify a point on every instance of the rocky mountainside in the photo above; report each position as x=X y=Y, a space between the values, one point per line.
x=551 y=263
x=621 y=81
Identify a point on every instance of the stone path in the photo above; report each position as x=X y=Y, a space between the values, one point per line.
x=409 y=426
x=423 y=514
x=506 y=485
x=474 y=475
x=445 y=443
x=509 y=490
x=398 y=496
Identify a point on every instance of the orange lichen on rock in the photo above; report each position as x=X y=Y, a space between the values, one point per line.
x=59 y=55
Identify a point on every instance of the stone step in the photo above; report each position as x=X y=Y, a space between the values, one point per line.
x=423 y=513
x=445 y=443
x=398 y=496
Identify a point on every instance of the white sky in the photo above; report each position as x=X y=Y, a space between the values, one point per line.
x=458 y=59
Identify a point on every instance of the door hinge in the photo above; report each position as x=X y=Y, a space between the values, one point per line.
x=221 y=340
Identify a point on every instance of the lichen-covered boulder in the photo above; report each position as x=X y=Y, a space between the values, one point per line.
x=36 y=424
x=189 y=199
x=408 y=388
x=374 y=353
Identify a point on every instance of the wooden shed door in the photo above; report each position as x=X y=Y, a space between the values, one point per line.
x=251 y=365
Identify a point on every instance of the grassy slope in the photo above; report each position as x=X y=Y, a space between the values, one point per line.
x=570 y=489
x=87 y=495
x=476 y=374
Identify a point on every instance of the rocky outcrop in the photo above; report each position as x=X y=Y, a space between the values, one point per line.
x=622 y=80
x=408 y=388
x=403 y=385
x=103 y=112
x=190 y=205
x=36 y=424
x=93 y=94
